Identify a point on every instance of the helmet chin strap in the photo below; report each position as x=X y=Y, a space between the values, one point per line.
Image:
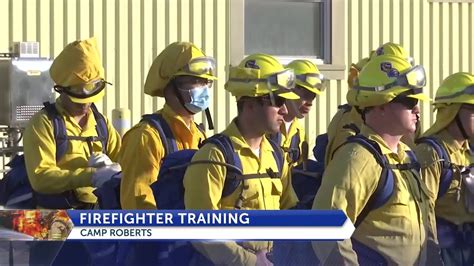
x=299 y=115
x=180 y=97
x=293 y=107
x=461 y=127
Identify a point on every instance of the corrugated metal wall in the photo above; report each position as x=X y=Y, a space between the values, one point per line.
x=132 y=33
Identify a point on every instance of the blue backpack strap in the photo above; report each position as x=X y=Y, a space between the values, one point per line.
x=101 y=127
x=59 y=128
x=275 y=137
x=167 y=138
x=367 y=255
x=413 y=161
x=385 y=186
x=446 y=166
x=295 y=151
x=277 y=154
x=224 y=144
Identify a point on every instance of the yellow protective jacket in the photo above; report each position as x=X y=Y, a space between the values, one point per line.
x=338 y=131
x=204 y=184
x=71 y=172
x=286 y=138
x=397 y=230
x=141 y=157
x=447 y=207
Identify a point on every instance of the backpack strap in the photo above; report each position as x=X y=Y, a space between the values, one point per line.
x=101 y=128
x=275 y=137
x=295 y=151
x=386 y=182
x=60 y=134
x=277 y=154
x=59 y=129
x=234 y=177
x=413 y=165
x=345 y=107
x=201 y=128
x=446 y=166
x=164 y=131
x=352 y=127
x=224 y=144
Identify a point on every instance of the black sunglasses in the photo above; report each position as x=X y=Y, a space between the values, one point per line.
x=279 y=101
x=304 y=93
x=407 y=102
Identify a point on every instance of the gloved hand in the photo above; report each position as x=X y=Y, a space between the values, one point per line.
x=105 y=173
x=98 y=160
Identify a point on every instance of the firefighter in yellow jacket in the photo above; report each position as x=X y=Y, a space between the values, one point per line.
x=88 y=159
x=308 y=86
x=396 y=231
x=347 y=121
x=261 y=85
x=183 y=75
x=444 y=154
x=79 y=78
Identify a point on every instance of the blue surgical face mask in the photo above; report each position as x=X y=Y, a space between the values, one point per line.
x=199 y=99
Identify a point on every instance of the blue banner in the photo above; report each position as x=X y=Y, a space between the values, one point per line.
x=251 y=218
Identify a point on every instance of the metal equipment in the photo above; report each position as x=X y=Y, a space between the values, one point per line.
x=25 y=84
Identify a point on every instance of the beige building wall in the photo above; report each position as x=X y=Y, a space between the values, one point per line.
x=438 y=34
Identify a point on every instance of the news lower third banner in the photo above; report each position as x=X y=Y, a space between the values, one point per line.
x=209 y=225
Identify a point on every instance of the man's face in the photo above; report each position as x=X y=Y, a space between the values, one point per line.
x=73 y=108
x=185 y=84
x=466 y=115
x=270 y=115
x=301 y=107
x=404 y=115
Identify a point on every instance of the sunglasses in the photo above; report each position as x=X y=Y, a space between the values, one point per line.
x=407 y=102
x=304 y=93
x=469 y=107
x=278 y=101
